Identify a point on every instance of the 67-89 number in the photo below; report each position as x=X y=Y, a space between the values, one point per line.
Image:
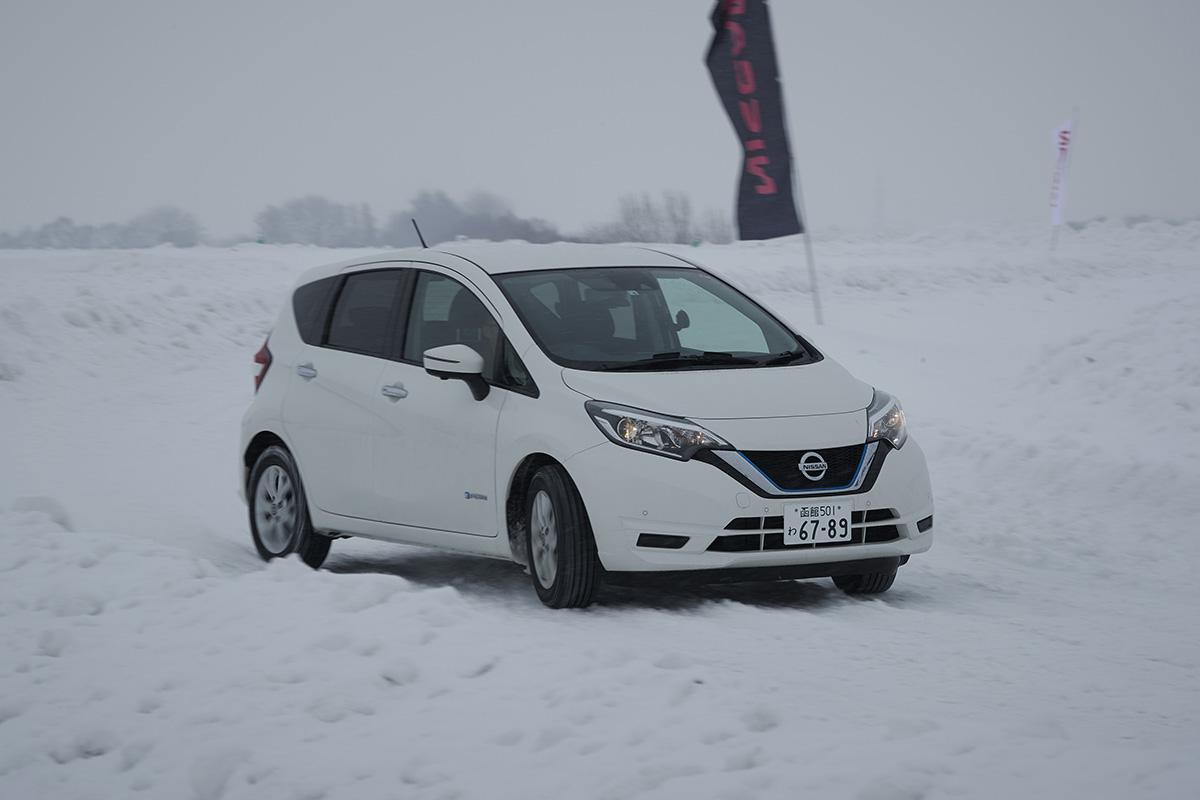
x=812 y=530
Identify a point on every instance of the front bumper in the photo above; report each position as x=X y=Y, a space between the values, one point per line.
x=628 y=494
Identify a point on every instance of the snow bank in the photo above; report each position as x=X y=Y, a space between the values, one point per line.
x=1046 y=644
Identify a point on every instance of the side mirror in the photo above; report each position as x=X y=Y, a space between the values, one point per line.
x=682 y=320
x=460 y=362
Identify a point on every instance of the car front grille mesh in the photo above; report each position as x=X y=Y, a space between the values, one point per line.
x=768 y=533
x=783 y=467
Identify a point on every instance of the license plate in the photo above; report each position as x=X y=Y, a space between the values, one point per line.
x=816 y=523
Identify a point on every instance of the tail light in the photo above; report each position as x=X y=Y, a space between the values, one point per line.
x=263 y=359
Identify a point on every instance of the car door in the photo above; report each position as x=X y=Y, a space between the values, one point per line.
x=437 y=466
x=333 y=414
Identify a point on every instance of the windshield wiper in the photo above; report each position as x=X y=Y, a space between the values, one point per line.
x=677 y=359
x=778 y=359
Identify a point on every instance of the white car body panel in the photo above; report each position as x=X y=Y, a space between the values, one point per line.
x=335 y=421
x=807 y=432
x=440 y=446
x=821 y=388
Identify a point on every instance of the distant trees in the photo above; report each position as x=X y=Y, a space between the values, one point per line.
x=316 y=220
x=481 y=216
x=641 y=218
x=319 y=221
x=162 y=225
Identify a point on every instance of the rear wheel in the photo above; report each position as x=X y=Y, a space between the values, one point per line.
x=279 y=522
x=869 y=583
x=562 y=552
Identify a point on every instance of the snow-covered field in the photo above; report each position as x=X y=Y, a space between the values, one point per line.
x=1048 y=646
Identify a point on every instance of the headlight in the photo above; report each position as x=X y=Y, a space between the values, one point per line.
x=653 y=433
x=885 y=420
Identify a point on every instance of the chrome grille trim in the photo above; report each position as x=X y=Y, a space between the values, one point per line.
x=738 y=462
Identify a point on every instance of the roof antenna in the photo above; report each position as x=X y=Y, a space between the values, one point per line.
x=417 y=228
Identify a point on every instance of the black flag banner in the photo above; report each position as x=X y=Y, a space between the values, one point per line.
x=745 y=73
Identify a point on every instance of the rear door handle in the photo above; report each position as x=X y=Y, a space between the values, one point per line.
x=395 y=391
x=306 y=371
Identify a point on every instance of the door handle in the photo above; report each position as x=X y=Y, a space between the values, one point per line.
x=395 y=391
x=306 y=371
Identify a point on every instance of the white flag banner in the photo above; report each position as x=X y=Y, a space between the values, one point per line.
x=1058 y=186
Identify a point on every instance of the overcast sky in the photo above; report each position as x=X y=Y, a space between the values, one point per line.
x=947 y=108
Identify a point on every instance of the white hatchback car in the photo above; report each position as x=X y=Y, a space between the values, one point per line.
x=593 y=413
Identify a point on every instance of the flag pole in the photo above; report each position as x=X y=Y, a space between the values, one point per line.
x=1066 y=170
x=808 y=250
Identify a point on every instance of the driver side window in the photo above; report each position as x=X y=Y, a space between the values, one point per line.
x=446 y=312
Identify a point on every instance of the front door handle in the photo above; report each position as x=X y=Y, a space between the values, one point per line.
x=306 y=371
x=395 y=391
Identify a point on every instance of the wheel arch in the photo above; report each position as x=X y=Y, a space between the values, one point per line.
x=256 y=447
x=515 y=511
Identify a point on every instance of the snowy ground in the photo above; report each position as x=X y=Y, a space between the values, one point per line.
x=1047 y=646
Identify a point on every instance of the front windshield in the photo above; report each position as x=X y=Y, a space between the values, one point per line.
x=648 y=318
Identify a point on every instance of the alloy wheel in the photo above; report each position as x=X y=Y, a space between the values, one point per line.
x=543 y=533
x=275 y=508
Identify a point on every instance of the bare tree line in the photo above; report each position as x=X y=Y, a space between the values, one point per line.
x=316 y=220
x=320 y=221
x=162 y=225
x=641 y=218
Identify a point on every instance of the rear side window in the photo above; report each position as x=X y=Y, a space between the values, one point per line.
x=363 y=318
x=310 y=304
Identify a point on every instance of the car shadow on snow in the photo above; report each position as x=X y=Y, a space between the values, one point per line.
x=505 y=581
x=471 y=575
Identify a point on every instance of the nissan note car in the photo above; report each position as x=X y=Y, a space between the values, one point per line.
x=593 y=413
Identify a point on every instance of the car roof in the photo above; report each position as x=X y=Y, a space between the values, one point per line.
x=497 y=258
x=519 y=257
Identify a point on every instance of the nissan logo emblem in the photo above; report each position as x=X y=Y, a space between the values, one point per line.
x=813 y=466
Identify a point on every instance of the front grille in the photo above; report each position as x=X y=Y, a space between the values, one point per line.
x=776 y=523
x=782 y=467
x=864 y=530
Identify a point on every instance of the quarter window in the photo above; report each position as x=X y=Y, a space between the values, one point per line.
x=310 y=304
x=363 y=317
x=513 y=374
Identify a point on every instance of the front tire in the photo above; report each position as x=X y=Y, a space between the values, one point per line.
x=561 y=549
x=869 y=583
x=279 y=521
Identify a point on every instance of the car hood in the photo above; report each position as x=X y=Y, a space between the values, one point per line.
x=744 y=393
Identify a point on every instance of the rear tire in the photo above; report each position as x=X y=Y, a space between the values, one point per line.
x=869 y=583
x=279 y=521
x=563 y=562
